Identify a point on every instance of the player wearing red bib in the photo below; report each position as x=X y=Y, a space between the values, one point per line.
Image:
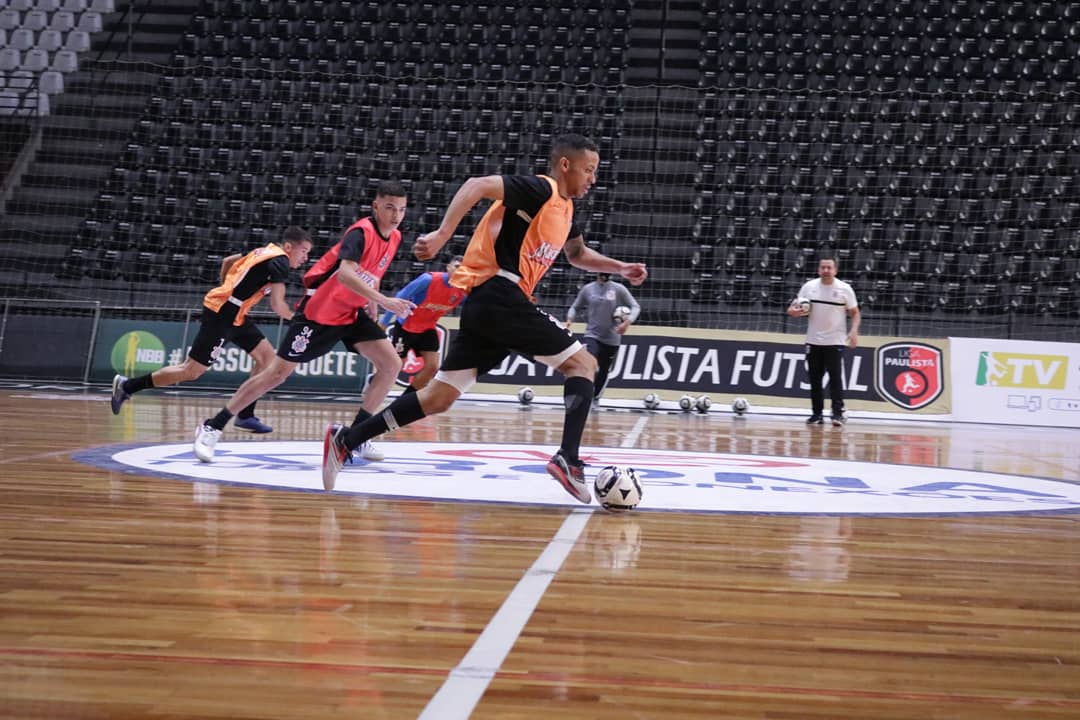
x=343 y=292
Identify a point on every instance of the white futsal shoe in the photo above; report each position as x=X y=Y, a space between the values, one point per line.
x=206 y=438
x=370 y=451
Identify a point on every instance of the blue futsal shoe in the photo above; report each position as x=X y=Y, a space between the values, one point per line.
x=119 y=397
x=252 y=425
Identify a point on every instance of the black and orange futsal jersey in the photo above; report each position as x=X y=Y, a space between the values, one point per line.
x=520 y=236
x=248 y=281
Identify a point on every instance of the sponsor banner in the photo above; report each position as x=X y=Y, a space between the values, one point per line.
x=706 y=366
x=882 y=374
x=1018 y=382
x=132 y=348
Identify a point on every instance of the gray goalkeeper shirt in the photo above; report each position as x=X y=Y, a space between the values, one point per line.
x=599 y=300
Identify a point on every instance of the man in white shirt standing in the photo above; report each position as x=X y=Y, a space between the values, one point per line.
x=831 y=301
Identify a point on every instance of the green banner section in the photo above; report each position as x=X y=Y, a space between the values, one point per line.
x=131 y=347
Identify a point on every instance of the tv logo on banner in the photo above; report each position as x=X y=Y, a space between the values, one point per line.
x=1015 y=370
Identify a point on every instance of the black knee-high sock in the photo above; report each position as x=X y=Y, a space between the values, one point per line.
x=577 y=396
x=403 y=411
x=247 y=412
x=409 y=389
x=361 y=416
x=143 y=382
x=219 y=421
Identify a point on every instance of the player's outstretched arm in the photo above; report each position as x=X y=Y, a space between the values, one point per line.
x=472 y=191
x=582 y=256
x=414 y=292
x=348 y=277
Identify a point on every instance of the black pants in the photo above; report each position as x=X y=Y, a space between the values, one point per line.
x=821 y=359
x=604 y=355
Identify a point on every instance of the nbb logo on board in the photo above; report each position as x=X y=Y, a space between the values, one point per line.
x=910 y=374
x=137 y=352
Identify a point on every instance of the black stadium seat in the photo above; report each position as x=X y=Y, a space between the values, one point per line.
x=931 y=143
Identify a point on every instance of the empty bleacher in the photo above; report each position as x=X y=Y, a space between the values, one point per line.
x=932 y=144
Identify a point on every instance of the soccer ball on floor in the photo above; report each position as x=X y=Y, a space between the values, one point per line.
x=526 y=395
x=740 y=405
x=651 y=401
x=617 y=488
x=702 y=404
x=686 y=403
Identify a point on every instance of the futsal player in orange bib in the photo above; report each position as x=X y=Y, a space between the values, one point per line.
x=529 y=223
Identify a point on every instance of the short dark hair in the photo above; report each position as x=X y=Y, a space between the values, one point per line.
x=830 y=257
x=570 y=143
x=294 y=235
x=391 y=188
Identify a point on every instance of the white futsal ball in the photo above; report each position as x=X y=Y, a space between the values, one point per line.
x=686 y=403
x=803 y=304
x=526 y=395
x=702 y=404
x=740 y=405
x=651 y=401
x=621 y=314
x=617 y=488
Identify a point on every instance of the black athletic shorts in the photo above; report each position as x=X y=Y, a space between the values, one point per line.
x=306 y=339
x=404 y=341
x=496 y=319
x=216 y=330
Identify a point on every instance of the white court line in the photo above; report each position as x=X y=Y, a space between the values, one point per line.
x=632 y=437
x=468 y=681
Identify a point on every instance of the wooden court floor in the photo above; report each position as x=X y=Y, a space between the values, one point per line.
x=124 y=595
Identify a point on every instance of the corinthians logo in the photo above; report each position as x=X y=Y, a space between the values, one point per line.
x=671 y=480
x=909 y=374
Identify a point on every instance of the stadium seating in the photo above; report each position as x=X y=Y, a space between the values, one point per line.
x=932 y=143
x=33 y=45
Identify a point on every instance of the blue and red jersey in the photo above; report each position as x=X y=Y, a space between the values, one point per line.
x=433 y=296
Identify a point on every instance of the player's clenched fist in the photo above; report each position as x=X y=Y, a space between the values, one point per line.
x=427 y=246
